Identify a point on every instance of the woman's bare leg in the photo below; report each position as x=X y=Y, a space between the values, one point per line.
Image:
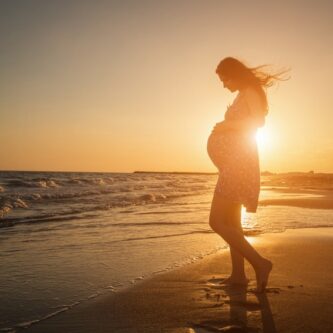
x=218 y=221
x=238 y=273
x=230 y=214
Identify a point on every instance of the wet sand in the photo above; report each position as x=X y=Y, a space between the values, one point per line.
x=191 y=299
x=322 y=199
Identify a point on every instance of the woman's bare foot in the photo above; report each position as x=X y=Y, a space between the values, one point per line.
x=262 y=274
x=235 y=281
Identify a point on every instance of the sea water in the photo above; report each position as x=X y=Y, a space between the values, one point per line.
x=67 y=237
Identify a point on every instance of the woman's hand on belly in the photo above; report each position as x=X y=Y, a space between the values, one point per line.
x=220 y=127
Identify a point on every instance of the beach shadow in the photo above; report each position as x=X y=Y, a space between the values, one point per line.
x=243 y=302
x=267 y=319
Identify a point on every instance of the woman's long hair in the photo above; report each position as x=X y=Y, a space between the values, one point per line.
x=250 y=76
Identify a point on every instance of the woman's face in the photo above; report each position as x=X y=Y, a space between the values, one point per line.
x=228 y=83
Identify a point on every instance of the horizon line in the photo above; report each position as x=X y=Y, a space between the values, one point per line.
x=265 y=172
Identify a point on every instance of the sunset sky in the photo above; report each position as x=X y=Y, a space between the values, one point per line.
x=130 y=85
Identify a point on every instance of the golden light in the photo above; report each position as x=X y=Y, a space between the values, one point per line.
x=243 y=214
x=247 y=223
x=262 y=138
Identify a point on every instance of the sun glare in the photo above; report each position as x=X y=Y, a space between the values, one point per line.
x=262 y=138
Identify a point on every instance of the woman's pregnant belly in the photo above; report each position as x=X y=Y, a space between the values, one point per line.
x=219 y=146
x=225 y=147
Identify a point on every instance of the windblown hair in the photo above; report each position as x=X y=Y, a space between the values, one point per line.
x=250 y=76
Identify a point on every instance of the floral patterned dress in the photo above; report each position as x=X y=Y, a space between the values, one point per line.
x=235 y=154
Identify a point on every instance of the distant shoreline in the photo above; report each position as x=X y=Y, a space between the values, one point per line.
x=179 y=172
x=262 y=173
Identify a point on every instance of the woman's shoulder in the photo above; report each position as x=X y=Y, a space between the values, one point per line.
x=250 y=91
x=254 y=98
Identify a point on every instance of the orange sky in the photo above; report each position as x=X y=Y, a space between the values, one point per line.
x=110 y=86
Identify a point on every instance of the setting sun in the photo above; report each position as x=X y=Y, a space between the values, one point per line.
x=262 y=138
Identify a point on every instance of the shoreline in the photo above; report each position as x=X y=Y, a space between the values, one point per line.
x=191 y=299
x=324 y=201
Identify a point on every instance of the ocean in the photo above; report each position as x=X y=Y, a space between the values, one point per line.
x=68 y=237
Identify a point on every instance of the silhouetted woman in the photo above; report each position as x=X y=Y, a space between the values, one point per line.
x=233 y=149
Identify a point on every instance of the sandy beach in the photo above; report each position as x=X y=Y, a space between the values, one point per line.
x=192 y=299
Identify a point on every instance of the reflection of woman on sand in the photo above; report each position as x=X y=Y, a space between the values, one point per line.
x=232 y=148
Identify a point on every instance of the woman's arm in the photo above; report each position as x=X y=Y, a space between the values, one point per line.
x=255 y=119
x=232 y=125
x=244 y=124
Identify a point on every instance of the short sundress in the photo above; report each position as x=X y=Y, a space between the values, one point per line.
x=235 y=154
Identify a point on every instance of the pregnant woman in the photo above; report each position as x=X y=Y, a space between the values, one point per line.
x=232 y=147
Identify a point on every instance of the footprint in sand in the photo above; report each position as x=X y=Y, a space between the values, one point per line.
x=268 y=290
x=222 y=282
x=208 y=328
x=216 y=280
